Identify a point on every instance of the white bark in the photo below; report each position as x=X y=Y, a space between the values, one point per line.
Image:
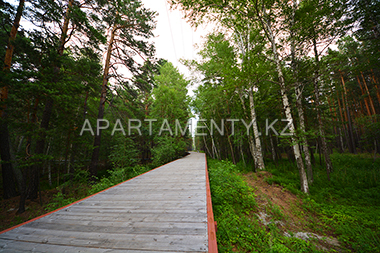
x=259 y=154
x=303 y=137
x=298 y=93
x=255 y=145
x=286 y=105
x=251 y=142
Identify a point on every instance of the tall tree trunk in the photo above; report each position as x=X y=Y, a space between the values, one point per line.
x=9 y=189
x=27 y=174
x=75 y=145
x=207 y=149
x=303 y=138
x=365 y=99
x=255 y=144
x=326 y=154
x=296 y=149
x=299 y=98
x=46 y=115
x=16 y=169
x=6 y=167
x=9 y=53
x=230 y=144
x=258 y=150
x=273 y=150
x=350 y=130
x=103 y=93
x=251 y=141
x=342 y=121
x=242 y=152
x=369 y=94
x=39 y=150
x=377 y=88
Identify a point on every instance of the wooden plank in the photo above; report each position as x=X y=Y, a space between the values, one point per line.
x=177 y=242
x=107 y=224
x=136 y=217
x=161 y=211
x=22 y=247
x=126 y=228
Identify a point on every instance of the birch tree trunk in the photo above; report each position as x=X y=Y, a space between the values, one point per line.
x=299 y=98
x=255 y=145
x=303 y=136
x=296 y=149
x=251 y=142
x=259 y=154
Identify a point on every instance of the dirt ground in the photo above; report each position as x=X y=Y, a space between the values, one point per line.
x=292 y=219
x=33 y=208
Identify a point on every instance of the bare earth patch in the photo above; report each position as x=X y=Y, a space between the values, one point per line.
x=33 y=208
x=9 y=207
x=279 y=206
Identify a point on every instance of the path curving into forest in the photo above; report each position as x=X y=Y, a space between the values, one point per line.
x=165 y=210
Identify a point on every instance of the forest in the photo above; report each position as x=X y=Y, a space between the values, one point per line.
x=295 y=87
x=289 y=87
x=312 y=65
x=84 y=65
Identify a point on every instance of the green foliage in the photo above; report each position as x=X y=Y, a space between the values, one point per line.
x=234 y=205
x=170 y=106
x=58 y=201
x=168 y=148
x=116 y=176
x=170 y=95
x=124 y=154
x=349 y=202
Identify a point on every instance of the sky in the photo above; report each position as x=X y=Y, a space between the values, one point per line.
x=175 y=38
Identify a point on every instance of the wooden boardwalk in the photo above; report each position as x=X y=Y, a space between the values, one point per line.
x=164 y=210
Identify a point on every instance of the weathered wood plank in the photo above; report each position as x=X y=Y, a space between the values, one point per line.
x=126 y=228
x=11 y=246
x=110 y=240
x=161 y=211
x=136 y=217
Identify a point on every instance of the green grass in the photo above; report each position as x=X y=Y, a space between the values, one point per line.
x=234 y=205
x=349 y=202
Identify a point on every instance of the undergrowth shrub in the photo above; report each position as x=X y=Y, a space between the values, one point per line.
x=168 y=149
x=349 y=202
x=118 y=175
x=59 y=200
x=234 y=207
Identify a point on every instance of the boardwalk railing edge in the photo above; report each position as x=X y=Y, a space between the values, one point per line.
x=211 y=225
x=46 y=214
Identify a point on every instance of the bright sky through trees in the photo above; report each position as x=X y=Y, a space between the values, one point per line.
x=175 y=38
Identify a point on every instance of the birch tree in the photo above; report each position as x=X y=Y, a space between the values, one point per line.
x=267 y=17
x=250 y=72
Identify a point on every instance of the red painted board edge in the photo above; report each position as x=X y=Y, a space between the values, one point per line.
x=211 y=224
x=46 y=214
